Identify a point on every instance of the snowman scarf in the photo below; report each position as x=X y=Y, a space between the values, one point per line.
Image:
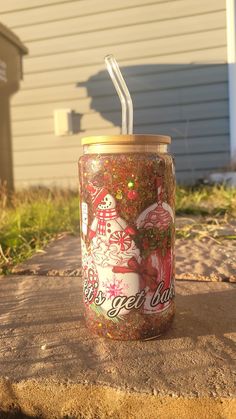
x=103 y=216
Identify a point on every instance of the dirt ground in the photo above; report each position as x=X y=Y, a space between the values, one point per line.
x=206 y=260
x=205 y=250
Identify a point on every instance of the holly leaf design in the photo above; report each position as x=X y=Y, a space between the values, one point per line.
x=148 y=240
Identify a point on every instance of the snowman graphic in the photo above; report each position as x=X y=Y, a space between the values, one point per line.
x=113 y=249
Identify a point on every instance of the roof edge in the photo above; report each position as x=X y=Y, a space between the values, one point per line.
x=10 y=36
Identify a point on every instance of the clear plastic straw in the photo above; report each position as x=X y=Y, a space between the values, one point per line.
x=123 y=93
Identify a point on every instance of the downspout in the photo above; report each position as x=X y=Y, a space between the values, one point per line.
x=231 y=58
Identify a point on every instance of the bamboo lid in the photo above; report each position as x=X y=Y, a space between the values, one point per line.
x=127 y=139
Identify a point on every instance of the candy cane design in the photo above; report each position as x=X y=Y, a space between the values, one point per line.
x=122 y=239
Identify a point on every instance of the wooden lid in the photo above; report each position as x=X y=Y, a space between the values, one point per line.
x=127 y=139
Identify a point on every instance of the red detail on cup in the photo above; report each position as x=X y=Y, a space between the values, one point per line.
x=122 y=238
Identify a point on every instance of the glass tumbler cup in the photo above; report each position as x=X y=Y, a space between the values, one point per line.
x=127 y=197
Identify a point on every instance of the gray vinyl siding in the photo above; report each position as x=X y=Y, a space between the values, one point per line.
x=174 y=58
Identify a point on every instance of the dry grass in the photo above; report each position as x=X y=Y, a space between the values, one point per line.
x=210 y=211
x=206 y=200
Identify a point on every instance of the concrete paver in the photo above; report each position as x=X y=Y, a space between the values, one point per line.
x=51 y=365
x=61 y=257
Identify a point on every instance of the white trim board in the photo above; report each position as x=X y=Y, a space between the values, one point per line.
x=231 y=53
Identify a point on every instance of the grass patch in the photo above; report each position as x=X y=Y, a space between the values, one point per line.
x=209 y=211
x=201 y=228
x=31 y=218
x=206 y=200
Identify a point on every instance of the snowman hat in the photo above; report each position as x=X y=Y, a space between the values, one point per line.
x=97 y=194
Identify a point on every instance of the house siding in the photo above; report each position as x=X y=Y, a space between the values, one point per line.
x=174 y=58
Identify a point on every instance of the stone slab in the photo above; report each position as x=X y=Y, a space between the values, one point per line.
x=47 y=354
x=62 y=257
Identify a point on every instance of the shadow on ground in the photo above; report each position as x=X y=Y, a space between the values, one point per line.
x=17 y=414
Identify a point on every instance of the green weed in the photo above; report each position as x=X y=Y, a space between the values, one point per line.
x=30 y=219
